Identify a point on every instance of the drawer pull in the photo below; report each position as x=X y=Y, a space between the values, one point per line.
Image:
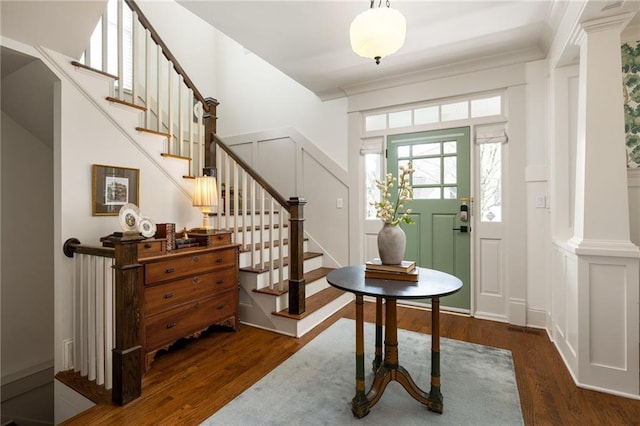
x=220 y=306
x=196 y=259
x=219 y=281
x=196 y=279
x=219 y=260
x=168 y=295
x=169 y=270
x=170 y=325
x=148 y=245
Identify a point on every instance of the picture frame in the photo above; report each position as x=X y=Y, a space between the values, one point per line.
x=113 y=187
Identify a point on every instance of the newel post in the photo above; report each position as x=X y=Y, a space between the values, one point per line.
x=210 y=128
x=127 y=353
x=296 y=256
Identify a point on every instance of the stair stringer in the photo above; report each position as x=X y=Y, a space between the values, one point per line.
x=259 y=318
x=62 y=64
x=256 y=308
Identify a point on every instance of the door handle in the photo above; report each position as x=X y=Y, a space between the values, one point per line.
x=463 y=228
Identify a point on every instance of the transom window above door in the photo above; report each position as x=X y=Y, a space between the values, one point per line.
x=462 y=109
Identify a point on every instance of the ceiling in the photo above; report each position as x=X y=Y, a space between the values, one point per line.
x=26 y=83
x=309 y=39
x=64 y=26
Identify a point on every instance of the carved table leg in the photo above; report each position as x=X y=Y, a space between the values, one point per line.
x=377 y=361
x=435 y=397
x=387 y=371
x=360 y=403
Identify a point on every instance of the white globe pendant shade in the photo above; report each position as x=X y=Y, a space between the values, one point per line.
x=378 y=32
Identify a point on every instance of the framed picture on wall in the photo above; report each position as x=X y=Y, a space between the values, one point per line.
x=113 y=187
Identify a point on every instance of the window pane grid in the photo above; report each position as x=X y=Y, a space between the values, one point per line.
x=457 y=110
x=435 y=165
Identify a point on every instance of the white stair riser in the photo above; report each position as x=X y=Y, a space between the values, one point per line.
x=258 y=281
x=246 y=261
x=245 y=219
x=278 y=303
x=300 y=327
x=262 y=280
x=248 y=237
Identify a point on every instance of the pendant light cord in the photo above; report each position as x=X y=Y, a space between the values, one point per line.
x=379 y=4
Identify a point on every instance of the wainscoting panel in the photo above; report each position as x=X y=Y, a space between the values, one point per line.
x=572 y=302
x=558 y=308
x=490 y=267
x=607 y=294
x=609 y=324
x=490 y=292
x=595 y=319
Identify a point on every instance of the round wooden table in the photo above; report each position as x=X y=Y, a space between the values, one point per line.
x=430 y=285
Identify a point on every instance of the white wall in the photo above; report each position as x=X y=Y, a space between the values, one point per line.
x=190 y=39
x=255 y=97
x=538 y=199
x=296 y=167
x=27 y=252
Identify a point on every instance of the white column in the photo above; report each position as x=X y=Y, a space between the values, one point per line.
x=602 y=259
x=602 y=205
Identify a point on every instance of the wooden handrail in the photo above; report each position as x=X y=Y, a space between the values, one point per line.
x=255 y=175
x=167 y=53
x=73 y=245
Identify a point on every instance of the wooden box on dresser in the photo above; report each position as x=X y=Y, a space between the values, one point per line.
x=183 y=292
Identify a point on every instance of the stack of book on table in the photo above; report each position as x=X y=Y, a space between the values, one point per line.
x=405 y=271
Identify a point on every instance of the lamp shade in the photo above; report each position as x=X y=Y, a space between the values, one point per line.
x=378 y=32
x=205 y=193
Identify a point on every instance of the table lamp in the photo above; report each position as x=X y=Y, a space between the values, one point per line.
x=205 y=196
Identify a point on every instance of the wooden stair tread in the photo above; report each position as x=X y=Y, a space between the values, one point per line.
x=125 y=103
x=89 y=389
x=179 y=157
x=309 y=277
x=314 y=303
x=153 y=132
x=276 y=264
x=97 y=71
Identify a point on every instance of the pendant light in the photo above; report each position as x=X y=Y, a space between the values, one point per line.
x=378 y=32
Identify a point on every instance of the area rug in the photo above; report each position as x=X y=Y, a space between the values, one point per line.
x=315 y=385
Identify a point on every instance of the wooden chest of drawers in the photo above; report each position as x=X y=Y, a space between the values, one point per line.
x=185 y=292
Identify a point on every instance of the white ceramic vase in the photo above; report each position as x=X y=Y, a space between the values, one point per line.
x=392 y=243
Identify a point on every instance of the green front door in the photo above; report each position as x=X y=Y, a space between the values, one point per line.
x=440 y=182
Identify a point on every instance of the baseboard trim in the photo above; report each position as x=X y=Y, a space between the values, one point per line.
x=536 y=318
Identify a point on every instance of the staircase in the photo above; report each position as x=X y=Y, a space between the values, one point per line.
x=178 y=141
x=282 y=284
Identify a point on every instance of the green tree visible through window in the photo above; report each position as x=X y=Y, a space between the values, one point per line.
x=490 y=182
x=631 y=90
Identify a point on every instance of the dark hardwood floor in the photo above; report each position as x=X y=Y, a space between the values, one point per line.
x=186 y=386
